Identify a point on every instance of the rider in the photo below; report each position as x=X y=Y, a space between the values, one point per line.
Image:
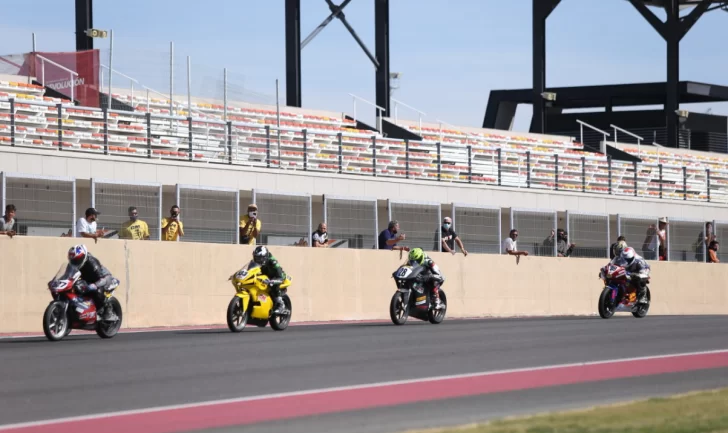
x=270 y=267
x=95 y=275
x=635 y=265
x=432 y=273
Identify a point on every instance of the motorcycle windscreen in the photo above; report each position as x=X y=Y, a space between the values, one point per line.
x=65 y=272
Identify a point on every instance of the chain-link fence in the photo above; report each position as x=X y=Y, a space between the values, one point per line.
x=685 y=240
x=118 y=202
x=478 y=227
x=211 y=215
x=285 y=217
x=351 y=222
x=418 y=221
x=720 y=231
x=535 y=228
x=641 y=234
x=589 y=233
x=45 y=205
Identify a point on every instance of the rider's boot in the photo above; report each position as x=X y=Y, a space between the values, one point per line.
x=436 y=296
x=642 y=294
x=107 y=314
x=280 y=306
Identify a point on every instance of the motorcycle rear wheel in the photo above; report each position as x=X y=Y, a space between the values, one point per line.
x=397 y=306
x=285 y=319
x=55 y=324
x=606 y=309
x=437 y=316
x=109 y=329
x=236 y=317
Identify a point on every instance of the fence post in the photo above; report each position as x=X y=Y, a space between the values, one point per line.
x=189 y=135
x=374 y=155
x=305 y=150
x=12 y=122
x=230 y=141
x=149 y=133
x=406 y=158
x=106 y=130
x=500 y=155
x=556 y=171
x=660 y=167
x=685 y=182
x=470 y=163
x=528 y=169
x=267 y=146
x=609 y=173
x=439 y=161
x=634 y=163
x=60 y=126
x=583 y=174
x=707 y=181
x=341 y=155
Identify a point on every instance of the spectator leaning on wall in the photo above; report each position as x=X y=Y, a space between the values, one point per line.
x=8 y=225
x=713 y=252
x=389 y=237
x=86 y=226
x=320 y=238
x=510 y=246
x=449 y=238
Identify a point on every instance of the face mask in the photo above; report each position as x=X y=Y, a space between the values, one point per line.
x=134 y=217
x=252 y=214
x=446 y=226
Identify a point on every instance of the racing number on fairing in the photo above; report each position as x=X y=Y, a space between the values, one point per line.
x=403 y=272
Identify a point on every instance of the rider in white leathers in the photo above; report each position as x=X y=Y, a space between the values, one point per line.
x=638 y=271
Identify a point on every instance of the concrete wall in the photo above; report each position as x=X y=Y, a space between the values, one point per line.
x=84 y=167
x=171 y=284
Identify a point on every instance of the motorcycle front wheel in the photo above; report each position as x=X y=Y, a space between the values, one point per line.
x=279 y=322
x=236 y=317
x=55 y=323
x=110 y=329
x=606 y=307
x=398 y=310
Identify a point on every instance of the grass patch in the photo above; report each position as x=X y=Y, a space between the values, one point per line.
x=699 y=412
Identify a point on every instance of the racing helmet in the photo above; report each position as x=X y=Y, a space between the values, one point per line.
x=77 y=255
x=628 y=255
x=260 y=254
x=416 y=255
x=621 y=245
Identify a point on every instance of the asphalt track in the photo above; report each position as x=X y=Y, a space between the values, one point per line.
x=84 y=375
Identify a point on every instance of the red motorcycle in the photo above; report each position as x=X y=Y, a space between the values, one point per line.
x=618 y=294
x=69 y=310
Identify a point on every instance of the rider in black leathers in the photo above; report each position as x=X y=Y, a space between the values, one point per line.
x=96 y=277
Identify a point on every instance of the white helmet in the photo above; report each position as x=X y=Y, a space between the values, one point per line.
x=628 y=255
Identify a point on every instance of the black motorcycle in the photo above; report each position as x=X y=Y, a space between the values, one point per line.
x=412 y=298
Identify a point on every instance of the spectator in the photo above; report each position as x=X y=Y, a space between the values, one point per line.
x=8 y=225
x=135 y=228
x=388 y=238
x=250 y=226
x=713 y=252
x=510 y=247
x=563 y=247
x=320 y=238
x=613 y=247
x=449 y=238
x=655 y=245
x=704 y=238
x=86 y=227
x=172 y=227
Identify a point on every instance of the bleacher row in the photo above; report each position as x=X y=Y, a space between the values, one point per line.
x=328 y=144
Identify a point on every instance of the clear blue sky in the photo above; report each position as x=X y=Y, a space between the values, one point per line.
x=450 y=57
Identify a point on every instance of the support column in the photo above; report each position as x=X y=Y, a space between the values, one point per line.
x=84 y=21
x=672 y=37
x=293 y=53
x=381 y=27
x=541 y=11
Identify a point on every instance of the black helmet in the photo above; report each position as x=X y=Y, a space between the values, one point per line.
x=260 y=254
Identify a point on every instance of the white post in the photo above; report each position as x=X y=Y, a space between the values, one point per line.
x=189 y=88
x=33 y=41
x=42 y=71
x=278 y=124
x=224 y=94
x=111 y=65
x=171 y=79
x=132 y=92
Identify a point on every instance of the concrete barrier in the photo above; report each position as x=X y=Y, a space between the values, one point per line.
x=175 y=284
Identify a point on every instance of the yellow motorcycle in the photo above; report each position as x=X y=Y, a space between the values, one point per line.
x=253 y=304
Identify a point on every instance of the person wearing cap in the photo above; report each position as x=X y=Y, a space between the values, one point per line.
x=250 y=226
x=86 y=226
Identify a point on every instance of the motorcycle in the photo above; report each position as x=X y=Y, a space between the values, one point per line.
x=252 y=302
x=412 y=298
x=617 y=295
x=59 y=319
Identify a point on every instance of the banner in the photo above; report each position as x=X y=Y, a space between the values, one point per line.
x=85 y=85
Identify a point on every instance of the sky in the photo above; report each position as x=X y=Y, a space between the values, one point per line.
x=450 y=56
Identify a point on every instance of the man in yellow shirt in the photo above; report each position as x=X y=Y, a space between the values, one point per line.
x=249 y=226
x=172 y=226
x=135 y=228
